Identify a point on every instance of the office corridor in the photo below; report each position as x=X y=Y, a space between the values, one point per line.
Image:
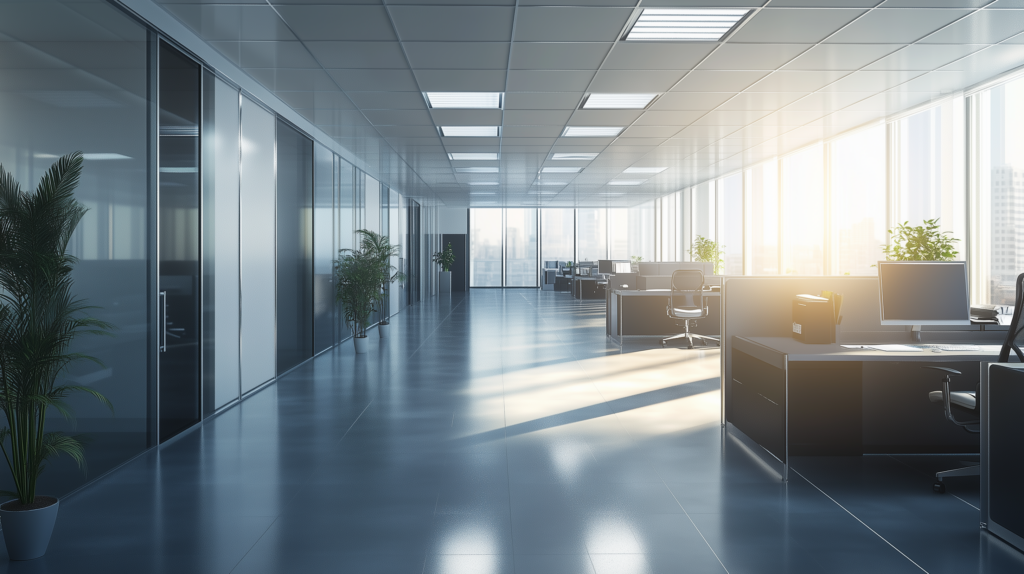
x=501 y=432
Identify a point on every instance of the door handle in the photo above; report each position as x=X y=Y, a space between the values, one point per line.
x=163 y=321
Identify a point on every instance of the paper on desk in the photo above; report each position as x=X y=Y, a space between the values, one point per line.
x=895 y=348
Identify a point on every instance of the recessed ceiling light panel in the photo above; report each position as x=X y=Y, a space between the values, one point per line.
x=626 y=181
x=476 y=170
x=551 y=183
x=617 y=101
x=469 y=131
x=561 y=170
x=483 y=183
x=590 y=132
x=472 y=156
x=581 y=156
x=707 y=25
x=464 y=100
x=644 y=169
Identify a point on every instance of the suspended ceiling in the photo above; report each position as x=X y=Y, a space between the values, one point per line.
x=791 y=73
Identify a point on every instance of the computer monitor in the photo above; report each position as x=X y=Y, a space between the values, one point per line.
x=623 y=267
x=609 y=266
x=923 y=293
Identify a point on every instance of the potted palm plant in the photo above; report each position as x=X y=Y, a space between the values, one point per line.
x=357 y=279
x=381 y=250
x=445 y=259
x=920 y=243
x=39 y=319
x=708 y=251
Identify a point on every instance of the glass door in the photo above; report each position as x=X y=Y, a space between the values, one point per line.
x=179 y=398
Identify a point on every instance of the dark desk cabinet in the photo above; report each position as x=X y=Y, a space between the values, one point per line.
x=1002 y=456
x=634 y=313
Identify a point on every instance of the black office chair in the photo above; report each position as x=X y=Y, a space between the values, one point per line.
x=967 y=402
x=686 y=303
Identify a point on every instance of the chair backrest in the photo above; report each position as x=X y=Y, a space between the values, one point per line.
x=1014 y=336
x=688 y=289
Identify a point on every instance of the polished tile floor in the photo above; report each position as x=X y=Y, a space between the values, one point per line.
x=501 y=432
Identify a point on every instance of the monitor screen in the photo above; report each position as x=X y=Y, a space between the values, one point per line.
x=605 y=266
x=923 y=293
x=623 y=267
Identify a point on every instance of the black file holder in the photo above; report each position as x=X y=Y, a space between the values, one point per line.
x=815 y=318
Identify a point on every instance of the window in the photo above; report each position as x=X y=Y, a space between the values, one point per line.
x=762 y=200
x=485 y=247
x=730 y=223
x=803 y=212
x=997 y=246
x=521 y=248
x=858 y=201
x=558 y=234
x=592 y=231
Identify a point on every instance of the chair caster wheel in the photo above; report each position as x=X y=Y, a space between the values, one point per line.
x=939 y=487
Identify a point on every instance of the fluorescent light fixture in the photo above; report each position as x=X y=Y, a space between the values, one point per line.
x=561 y=170
x=472 y=156
x=707 y=25
x=580 y=156
x=626 y=181
x=483 y=183
x=476 y=170
x=551 y=183
x=179 y=170
x=469 y=131
x=617 y=101
x=644 y=169
x=590 y=132
x=109 y=156
x=488 y=100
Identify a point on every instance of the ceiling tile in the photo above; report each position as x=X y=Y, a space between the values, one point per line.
x=542 y=100
x=796 y=81
x=557 y=55
x=793 y=25
x=324 y=22
x=536 y=117
x=508 y=133
x=761 y=100
x=389 y=100
x=828 y=101
x=871 y=81
x=375 y=80
x=224 y=22
x=358 y=54
x=716 y=81
x=982 y=27
x=570 y=24
x=751 y=56
x=948 y=81
x=840 y=56
x=461 y=55
x=668 y=118
x=399 y=117
x=461 y=80
x=690 y=100
x=315 y=100
x=730 y=118
x=453 y=23
x=923 y=57
x=408 y=131
x=548 y=80
x=632 y=81
x=995 y=58
x=657 y=55
x=292 y=79
x=892 y=26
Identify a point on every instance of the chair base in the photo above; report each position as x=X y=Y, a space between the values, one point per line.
x=689 y=339
x=940 y=487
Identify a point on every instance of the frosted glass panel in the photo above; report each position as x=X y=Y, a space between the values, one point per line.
x=258 y=177
x=294 y=247
x=220 y=242
x=346 y=223
x=371 y=202
x=323 y=249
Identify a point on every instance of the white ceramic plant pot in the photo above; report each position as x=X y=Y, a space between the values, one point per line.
x=360 y=343
x=27 y=532
x=383 y=329
x=444 y=282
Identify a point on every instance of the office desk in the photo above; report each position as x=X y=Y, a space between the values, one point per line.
x=796 y=399
x=635 y=314
x=588 y=288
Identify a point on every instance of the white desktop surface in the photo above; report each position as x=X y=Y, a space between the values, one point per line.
x=797 y=351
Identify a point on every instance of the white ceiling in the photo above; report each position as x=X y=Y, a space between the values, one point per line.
x=794 y=72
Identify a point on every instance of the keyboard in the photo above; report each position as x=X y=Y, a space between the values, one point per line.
x=953 y=347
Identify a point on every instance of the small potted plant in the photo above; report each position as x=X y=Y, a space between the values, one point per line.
x=357 y=280
x=634 y=263
x=39 y=319
x=379 y=248
x=445 y=259
x=708 y=251
x=920 y=243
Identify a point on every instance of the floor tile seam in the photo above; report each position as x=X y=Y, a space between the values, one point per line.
x=253 y=545
x=438 y=326
x=916 y=472
x=695 y=527
x=855 y=517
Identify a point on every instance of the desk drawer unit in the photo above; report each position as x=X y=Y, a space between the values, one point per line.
x=1002 y=459
x=758 y=402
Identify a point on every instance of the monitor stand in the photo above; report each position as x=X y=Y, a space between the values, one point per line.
x=915 y=333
